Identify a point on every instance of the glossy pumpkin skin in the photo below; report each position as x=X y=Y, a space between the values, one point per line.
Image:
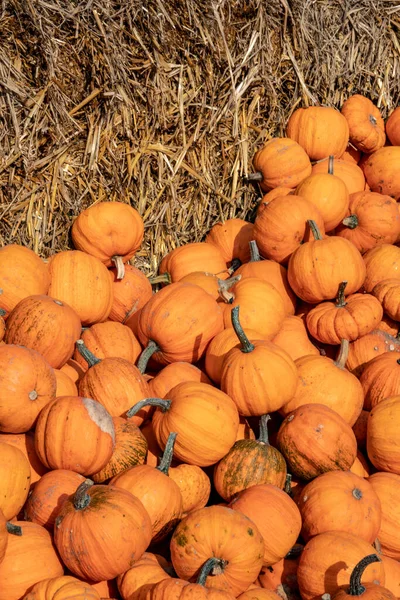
x=81 y=281
x=15 y=475
x=381 y=171
x=175 y=373
x=293 y=338
x=194 y=485
x=27 y=384
x=387 y=487
x=62 y=588
x=381 y=379
x=388 y=294
x=49 y=494
x=350 y=173
x=65 y=386
x=208 y=532
x=32 y=324
x=130 y=294
x=368 y=347
x=183 y=311
x=22 y=274
x=340 y=501
x=232 y=239
x=108 y=229
x=104 y=538
x=372 y=219
x=26 y=443
x=277 y=236
x=382 y=435
x=75 y=433
x=315 y=439
x=282 y=162
x=329 y=194
x=196 y=256
x=149 y=569
x=392 y=575
x=279 y=525
x=366 y=126
x=382 y=262
x=392 y=127
x=109 y=339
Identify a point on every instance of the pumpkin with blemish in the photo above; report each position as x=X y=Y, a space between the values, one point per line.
x=232 y=239
x=109 y=340
x=381 y=171
x=363 y=350
x=366 y=126
x=130 y=294
x=15 y=475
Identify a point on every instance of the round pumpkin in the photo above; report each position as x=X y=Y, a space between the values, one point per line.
x=381 y=379
x=281 y=162
x=232 y=239
x=175 y=373
x=74 y=370
x=392 y=127
x=62 y=588
x=194 y=485
x=109 y=339
x=15 y=475
x=382 y=262
x=26 y=443
x=381 y=171
x=368 y=347
x=350 y=173
x=195 y=256
x=149 y=569
x=387 y=488
x=178 y=589
x=388 y=294
x=271 y=195
x=293 y=338
x=383 y=444
x=366 y=126
x=130 y=294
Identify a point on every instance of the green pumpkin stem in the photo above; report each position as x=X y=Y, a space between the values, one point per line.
x=90 y=358
x=163 y=404
x=147 y=353
x=356 y=588
x=119 y=265
x=330 y=164
x=343 y=354
x=247 y=346
x=340 y=300
x=314 y=230
x=2 y=312
x=351 y=222
x=13 y=529
x=254 y=251
x=263 y=435
x=235 y=264
x=254 y=177
x=224 y=286
x=168 y=454
x=81 y=499
x=213 y=566
x=288 y=485
x=164 y=278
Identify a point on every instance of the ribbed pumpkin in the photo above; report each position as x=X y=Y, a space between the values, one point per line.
x=381 y=379
x=179 y=589
x=62 y=588
x=392 y=127
x=249 y=463
x=83 y=282
x=293 y=338
x=381 y=171
x=227 y=538
x=314 y=439
x=387 y=324
x=65 y=386
x=388 y=294
x=26 y=443
x=392 y=575
x=318 y=267
x=106 y=589
x=232 y=239
x=110 y=231
x=371 y=220
x=368 y=347
x=33 y=322
x=15 y=475
x=175 y=373
x=100 y=531
x=350 y=173
x=325 y=381
x=277 y=236
x=75 y=433
x=130 y=294
x=195 y=256
x=382 y=262
x=368 y=591
x=387 y=488
x=22 y=274
x=281 y=162
x=194 y=485
x=348 y=318
x=27 y=384
x=109 y=339
x=149 y=569
x=383 y=444
x=366 y=126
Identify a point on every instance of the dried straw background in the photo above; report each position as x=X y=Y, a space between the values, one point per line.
x=162 y=104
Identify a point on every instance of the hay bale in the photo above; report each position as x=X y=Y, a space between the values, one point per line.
x=162 y=104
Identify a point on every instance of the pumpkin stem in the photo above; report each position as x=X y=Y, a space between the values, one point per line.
x=340 y=301
x=314 y=230
x=351 y=222
x=235 y=264
x=164 y=278
x=13 y=529
x=212 y=566
x=247 y=346
x=343 y=354
x=147 y=353
x=254 y=177
x=81 y=499
x=225 y=284
x=330 y=164
x=168 y=454
x=2 y=312
x=254 y=251
x=263 y=435
x=119 y=264
x=163 y=404
x=288 y=485
x=90 y=358
x=356 y=589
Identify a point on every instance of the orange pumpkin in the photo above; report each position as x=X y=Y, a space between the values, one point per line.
x=22 y=274
x=366 y=126
x=392 y=575
x=109 y=339
x=130 y=294
x=387 y=488
x=271 y=195
x=178 y=589
x=83 y=282
x=15 y=475
x=369 y=591
x=194 y=485
x=76 y=434
x=74 y=370
x=389 y=326
x=381 y=379
x=350 y=173
x=245 y=432
x=149 y=569
x=2 y=324
x=293 y=338
x=392 y=127
x=26 y=443
x=196 y=256
x=360 y=427
x=62 y=588
x=315 y=439
x=100 y=531
x=106 y=589
x=232 y=239
x=281 y=574
x=360 y=466
x=351 y=154
x=388 y=294
x=175 y=373
x=212 y=284
x=258 y=594
x=3 y=535
x=65 y=385
x=281 y=162
x=382 y=262
x=383 y=445
x=110 y=231
x=368 y=347
x=154 y=451
x=381 y=171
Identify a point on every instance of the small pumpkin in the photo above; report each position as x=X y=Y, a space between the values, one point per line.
x=26 y=443
x=387 y=488
x=259 y=594
x=388 y=294
x=350 y=173
x=389 y=326
x=369 y=346
x=392 y=127
x=15 y=475
x=366 y=126
x=232 y=239
x=74 y=370
x=195 y=256
x=175 y=373
x=282 y=574
x=293 y=338
x=381 y=379
x=130 y=294
x=381 y=171
x=382 y=262
x=351 y=154
x=64 y=384
x=212 y=284
x=62 y=588
x=178 y=589
x=382 y=435
x=367 y=591
x=271 y=195
x=149 y=569
x=194 y=485
x=109 y=339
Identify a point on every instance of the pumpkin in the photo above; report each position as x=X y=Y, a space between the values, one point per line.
x=350 y=173
x=312 y=128
x=318 y=267
x=175 y=373
x=360 y=466
x=149 y=569
x=366 y=126
x=368 y=591
x=179 y=311
x=392 y=575
x=277 y=236
x=130 y=294
x=315 y=439
x=27 y=384
x=212 y=284
x=327 y=561
x=347 y=318
x=368 y=347
x=382 y=435
x=279 y=525
x=114 y=382
x=381 y=379
x=2 y=324
x=232 y=239
x=194 y=485
x=228 y=539
x=281 y=162
x=109 y=339
x=282 y=574
x=164 y=507
x=64 y=384
x=74 y=370
x=30 y=557
x=325 y=381
x=196 y=256
x=351 y=154
x=340 y=501
x=75 y=433
x=62 y=588
x=205 y=419
x=110 y=231
x=15 y=475
x=3 y=535
x=26 y=443
x=388 y=294
x=328 y=193
x=32 y=324
x=259 y=594
x=392 y=127
x=154 y=451
x=371 y=220
x=360 y=426
x=260 y=377
x=249 y=463
x=100 y=531
x=382 y=262
x=245 y=432
x=293 y=338
x=22 y=274
x=380 y=170
x=271 y=272
x=130 y=450
x=83 y=282
x=106 y=589
x=389 y=326
x=178 y=589
x=387 y=488
x=49 y=494
x=271 y=195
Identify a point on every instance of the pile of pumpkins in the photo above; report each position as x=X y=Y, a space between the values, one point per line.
x=231 y=427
